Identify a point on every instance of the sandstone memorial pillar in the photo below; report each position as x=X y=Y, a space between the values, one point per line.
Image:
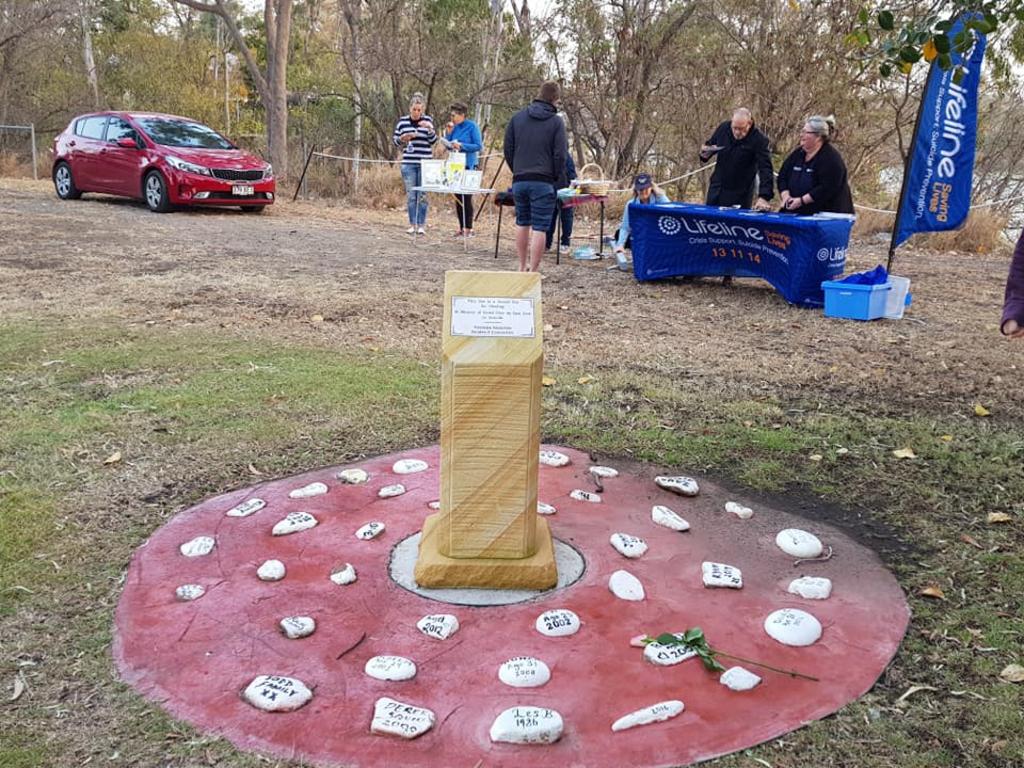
x=487 y=533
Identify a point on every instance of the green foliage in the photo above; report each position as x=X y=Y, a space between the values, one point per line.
x=694 y=640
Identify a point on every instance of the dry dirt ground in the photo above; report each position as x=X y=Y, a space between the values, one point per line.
x=106 y=258
x=348 y=279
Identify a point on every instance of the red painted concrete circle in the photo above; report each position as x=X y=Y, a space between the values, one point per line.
x=195 y=658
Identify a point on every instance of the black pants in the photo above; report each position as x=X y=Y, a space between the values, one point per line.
x=719 y=195
x=567 y=215
x=464 y=211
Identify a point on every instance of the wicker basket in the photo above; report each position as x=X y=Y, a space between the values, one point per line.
x=588 y=185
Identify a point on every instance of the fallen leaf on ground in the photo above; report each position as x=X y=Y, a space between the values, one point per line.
x=547 y=381
x=254 y=471
x=914 y=689
x=981 y=410
x=904 y=453
x=317 y=318
x=842 y=451
x=113 y=458
x=19 y=688
x=967 y=538
x=998 y=517
x=584 y=379
x=947 y=438
x=815 y=457
x=1013 y=673
x=933 y=590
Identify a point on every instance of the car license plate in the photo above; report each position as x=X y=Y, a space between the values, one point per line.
x=243 y=189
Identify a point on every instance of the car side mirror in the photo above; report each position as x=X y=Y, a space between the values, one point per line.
x=128 y=143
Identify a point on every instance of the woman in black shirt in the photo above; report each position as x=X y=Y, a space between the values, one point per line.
x=813 y=178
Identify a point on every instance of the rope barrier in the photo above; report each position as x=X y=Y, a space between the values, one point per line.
x=388 y=162
x=978 y=205
x=670 y=181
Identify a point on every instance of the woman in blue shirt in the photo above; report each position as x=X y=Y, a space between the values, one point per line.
x=645 y=192
x=463 y=135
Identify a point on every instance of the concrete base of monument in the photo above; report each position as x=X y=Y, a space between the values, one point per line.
x=196 y=651
x=435 y=570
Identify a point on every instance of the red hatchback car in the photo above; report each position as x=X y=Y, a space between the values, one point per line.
x=161 y=159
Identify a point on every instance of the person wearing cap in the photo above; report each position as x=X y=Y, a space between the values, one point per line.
x=1013 y=302
x=741 y=152
x=535 y=149
x=645 y=192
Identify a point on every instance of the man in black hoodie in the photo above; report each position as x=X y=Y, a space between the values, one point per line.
x=741 y=152
x=535 y=149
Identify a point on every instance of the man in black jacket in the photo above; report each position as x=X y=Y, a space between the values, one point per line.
x=535 y=149
x=741 y=152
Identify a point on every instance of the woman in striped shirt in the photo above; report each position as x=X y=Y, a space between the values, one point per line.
x=415 y=134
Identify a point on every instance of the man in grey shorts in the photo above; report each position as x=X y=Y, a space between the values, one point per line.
x=535 y=149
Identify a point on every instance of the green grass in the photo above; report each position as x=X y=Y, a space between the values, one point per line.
x=189 y=413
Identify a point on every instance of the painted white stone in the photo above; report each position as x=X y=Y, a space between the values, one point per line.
x=308 y=491
x=625 y=586
x=604 y=471
x=197 y=547
x=390 y=491
x=681 y=484
x=296 y=627
x=527 y=725
x=545 y=509
x=295 y=522
x=271 y=570
x=561 y=622
x=666 y=518
x=721 y=575
x=395 y=718
x=791 y=626
x=438 y=625
x=655 y=713
x=370 y=530
x=739 y=679
x=811 y=587
x=434 y=504
x=276 y=693
x=344 y=576
x=187 y=592
x=246 y=508
x=524 y=672
x=553 y=459
x=798 y=543
x=581 y=495
x=408 y=466
x=628 y=546
x=743 y=513
x=391 y=668
x=667 y=655
x=353 y=476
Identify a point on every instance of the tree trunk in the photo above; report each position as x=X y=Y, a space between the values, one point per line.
x=90 y=62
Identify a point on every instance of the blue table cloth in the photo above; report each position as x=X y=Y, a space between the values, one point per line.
x=793 y=253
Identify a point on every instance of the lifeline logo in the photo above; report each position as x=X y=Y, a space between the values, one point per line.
x=704 y=227
x=832 y=255
x=668 y=225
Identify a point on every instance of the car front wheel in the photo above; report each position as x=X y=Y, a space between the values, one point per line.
x=155 y=190
x=64 y=183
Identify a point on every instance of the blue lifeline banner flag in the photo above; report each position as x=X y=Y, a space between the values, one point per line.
x=937 y=188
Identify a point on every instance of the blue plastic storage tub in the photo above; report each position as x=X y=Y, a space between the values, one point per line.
x=853 y=301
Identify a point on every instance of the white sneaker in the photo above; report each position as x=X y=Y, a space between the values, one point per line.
x=411 y=231
x=563 y=249
x=421 y=231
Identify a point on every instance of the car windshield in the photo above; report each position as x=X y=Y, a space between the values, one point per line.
x=183 y=133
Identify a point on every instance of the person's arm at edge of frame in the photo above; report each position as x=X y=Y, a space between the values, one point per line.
x=1013 y=301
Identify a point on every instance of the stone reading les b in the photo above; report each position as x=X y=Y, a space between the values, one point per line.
x=487 y=533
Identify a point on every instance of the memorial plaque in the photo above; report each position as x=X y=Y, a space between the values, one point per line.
x=488 y=533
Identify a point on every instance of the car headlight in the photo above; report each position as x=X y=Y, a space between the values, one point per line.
x=181 y=165
x=268 y=172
